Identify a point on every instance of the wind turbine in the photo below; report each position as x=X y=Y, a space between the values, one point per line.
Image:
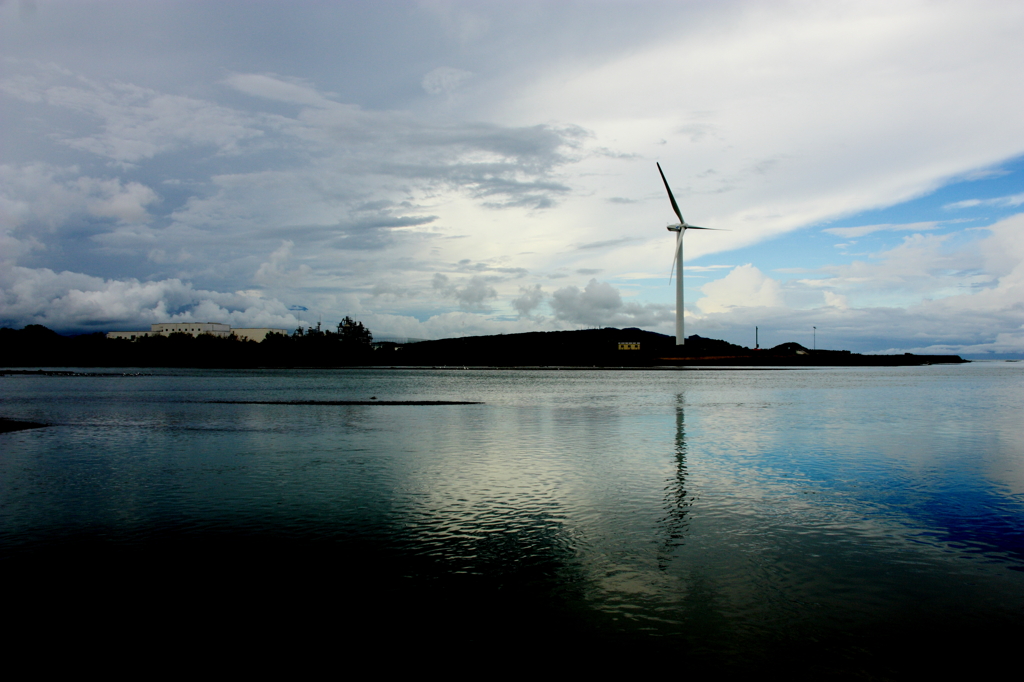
x=677 y=258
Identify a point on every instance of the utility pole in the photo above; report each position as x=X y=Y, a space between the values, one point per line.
x=815 y=338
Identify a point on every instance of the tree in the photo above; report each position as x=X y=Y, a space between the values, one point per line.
x=353 y=334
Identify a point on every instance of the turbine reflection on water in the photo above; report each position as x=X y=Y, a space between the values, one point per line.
x=677 y=501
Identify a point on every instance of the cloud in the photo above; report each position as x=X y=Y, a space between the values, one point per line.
x=834 y=300
x=365 y=230
x=71 y=301
x=274 y=272
x=1005 y=343
x=444 y=80
x=606 y=243
x=804 y=115
x=921 y=265
x=137 y=123
x=922 y=296
x=506 y=166
x=599 y=304
x=528 y=300
x=126 y=203
x=744 y=286
x=1010 y=201
x=389 y=290
x=271 y=86
x=43 y=207
x=47 y=197
x=854 y=232
x=470 y=296
x=708 y=268
x=466 y=265
x=444 y=325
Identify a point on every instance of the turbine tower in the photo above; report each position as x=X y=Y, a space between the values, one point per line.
x=677 y=258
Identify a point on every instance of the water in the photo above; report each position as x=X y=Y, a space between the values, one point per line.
x=843 y=521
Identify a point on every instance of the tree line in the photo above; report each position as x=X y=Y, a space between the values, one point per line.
x=35 y=345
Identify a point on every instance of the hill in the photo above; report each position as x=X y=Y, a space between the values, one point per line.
x=629 y=347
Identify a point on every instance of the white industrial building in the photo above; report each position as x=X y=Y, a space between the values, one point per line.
x=256 y=334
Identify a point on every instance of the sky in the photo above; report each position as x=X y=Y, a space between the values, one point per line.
x=443 y=168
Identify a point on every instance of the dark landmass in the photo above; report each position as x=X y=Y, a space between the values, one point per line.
x=631 y=348
x=8 y=425
x=344 y=402
x=41 y=347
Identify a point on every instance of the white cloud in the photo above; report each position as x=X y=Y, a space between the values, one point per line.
x=834 y=300
x=1011 y=201
x=921 y=266
x=862 y=230
x=124 y=202
x=274 y=272
x=744 y=286
x=40 y=202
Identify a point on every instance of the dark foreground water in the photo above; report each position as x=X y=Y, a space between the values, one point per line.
x=859 y=522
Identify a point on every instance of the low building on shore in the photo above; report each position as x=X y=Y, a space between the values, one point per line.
x=256 y=334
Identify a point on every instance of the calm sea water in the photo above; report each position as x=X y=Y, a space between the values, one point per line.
x=837 y=520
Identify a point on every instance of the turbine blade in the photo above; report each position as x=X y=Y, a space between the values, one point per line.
x=675 y=206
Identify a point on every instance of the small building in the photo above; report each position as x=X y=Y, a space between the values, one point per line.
x=629 y=345
x=197 y=328
x=193 y=328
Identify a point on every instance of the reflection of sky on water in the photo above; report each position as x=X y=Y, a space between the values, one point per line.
x=663 y=501
x=939 y=458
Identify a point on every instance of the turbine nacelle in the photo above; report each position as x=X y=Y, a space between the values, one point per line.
x=675 y=228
